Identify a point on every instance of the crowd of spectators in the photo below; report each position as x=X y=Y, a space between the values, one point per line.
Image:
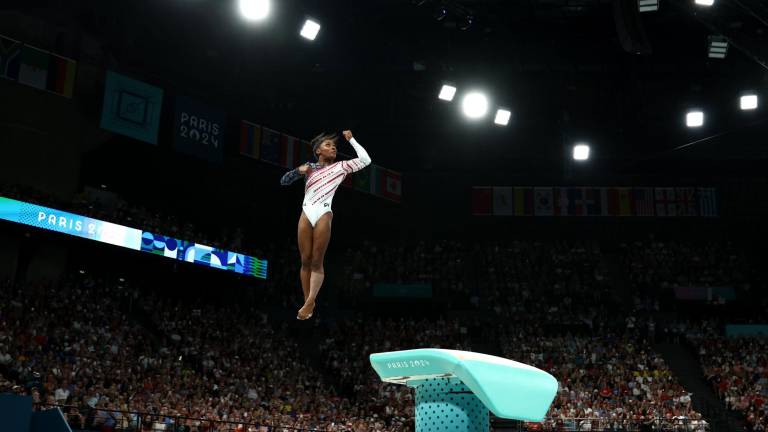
x=198 y=363
x=442 y=264
x=79 y=342
x=566 y=284
x=75 y=345
x=607 y=381
x=736 y=368
x=654 y=265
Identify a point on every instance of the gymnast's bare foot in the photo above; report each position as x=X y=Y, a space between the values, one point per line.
x=306 y=311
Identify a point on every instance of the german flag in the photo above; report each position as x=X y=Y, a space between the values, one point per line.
x=61 y=75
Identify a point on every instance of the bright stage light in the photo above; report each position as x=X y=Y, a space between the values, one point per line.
x=502 y=117
x=254 y=10
x=310 y=29
x=580 y=152
x=475 y=105
x=748 y=102
x=648 y=5
x=694 y=119
x=717 y=47
x=447 y=92
x=705 y=2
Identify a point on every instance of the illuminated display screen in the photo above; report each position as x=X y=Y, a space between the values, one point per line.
x=131 y=238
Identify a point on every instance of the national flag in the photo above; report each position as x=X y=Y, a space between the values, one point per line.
x=61 y=75
x=576 y=202
x=561 y=201
x=392 y=187
x=10 y=58
x=625 y=201
x=686 y=202
x=503 y=201
x=543 y=201
x=250 y=139
x=642 y=202
x=610 y=201
x=270 y=146
x=707 y=202
x=361 y=180
x=666 y=203
x=33 y=70
x=482 y=201
x=376 y=174
x=289 y=151
x=524 y=201
x=593 y=201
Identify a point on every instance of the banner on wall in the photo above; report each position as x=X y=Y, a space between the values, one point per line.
x=199 y=130
x=593 y=201
x=131 y=238
x=131 y=108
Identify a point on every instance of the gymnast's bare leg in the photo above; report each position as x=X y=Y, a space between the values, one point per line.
x=313 y=243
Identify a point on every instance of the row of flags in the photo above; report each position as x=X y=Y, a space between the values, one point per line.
x=595 y=201
x=132 y=108
x=276 y=148
x=36 y=68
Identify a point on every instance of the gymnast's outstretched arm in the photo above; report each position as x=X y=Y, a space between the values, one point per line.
x=361 y=161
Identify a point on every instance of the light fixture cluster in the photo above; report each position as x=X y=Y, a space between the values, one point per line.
x=694 y=118
x=747 y=102
x=259 y=10
x=475 y=104
x=717 y=45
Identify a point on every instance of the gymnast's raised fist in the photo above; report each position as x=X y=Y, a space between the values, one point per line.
x=347 y=135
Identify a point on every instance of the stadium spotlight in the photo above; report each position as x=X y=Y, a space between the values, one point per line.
x=475 y=105
x=254 y=10
x=310 y=29
x=580 y=152
x=694 y=119
x=467 y=23
x=705 y=2
x=447 y=92
x=748 y=102
x=502 y=117
x=441 y=13
x=648 y=5
x=717 y=46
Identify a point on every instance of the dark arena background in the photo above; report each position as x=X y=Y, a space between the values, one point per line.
x=575 y=185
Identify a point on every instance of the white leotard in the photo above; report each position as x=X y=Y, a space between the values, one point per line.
x=322 y=181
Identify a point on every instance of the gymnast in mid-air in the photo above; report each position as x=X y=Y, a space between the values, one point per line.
x=322 y=178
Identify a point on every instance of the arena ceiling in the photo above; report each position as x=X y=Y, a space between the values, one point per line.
x=565 y=67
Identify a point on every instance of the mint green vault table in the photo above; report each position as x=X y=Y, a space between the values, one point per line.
x=455 y=389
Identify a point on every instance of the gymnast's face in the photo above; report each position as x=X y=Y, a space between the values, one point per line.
x=327 y=150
